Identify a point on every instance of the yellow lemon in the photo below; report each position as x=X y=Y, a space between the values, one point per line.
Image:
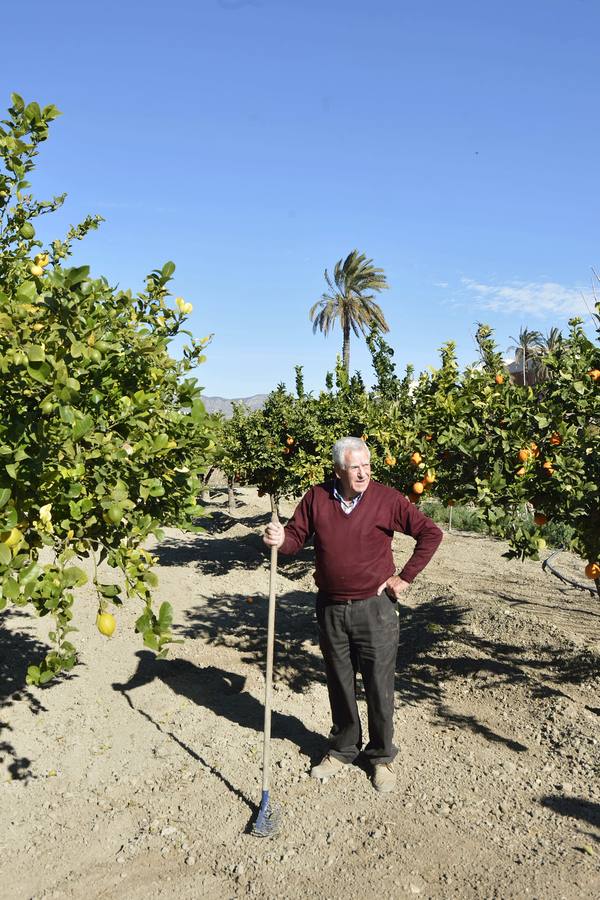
x=106 y=623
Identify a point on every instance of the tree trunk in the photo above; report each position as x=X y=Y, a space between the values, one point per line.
x=346 y=348
x=274 y=506
x=524 y=369
x=230 y=495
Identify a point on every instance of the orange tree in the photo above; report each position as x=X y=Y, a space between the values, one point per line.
x=102 y=434
x=518 y=455
x=285 y=447
x=511 y=450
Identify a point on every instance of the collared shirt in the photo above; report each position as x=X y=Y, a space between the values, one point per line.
x=347 y=505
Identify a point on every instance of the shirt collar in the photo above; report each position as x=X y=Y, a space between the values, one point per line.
x=347 y=505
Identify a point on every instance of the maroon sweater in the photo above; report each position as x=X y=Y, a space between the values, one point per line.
x=354 y=550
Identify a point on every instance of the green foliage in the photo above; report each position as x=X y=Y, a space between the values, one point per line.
x=458 y=433
x=103 y=435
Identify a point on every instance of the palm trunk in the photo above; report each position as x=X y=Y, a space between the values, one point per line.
x=524 y=370
x=346 y=348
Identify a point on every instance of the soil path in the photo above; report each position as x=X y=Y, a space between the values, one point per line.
x=137 y=778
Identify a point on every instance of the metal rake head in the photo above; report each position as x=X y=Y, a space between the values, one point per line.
x=268 y=820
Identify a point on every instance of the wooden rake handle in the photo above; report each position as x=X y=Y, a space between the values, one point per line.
x=269 y=668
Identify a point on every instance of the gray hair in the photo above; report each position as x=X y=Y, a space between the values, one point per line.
x=345 y=444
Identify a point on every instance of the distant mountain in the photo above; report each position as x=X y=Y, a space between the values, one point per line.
x=222 y=405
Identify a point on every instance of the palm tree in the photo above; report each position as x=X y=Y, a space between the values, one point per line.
x=548 y=344
x=527 y=346
x=349 y=300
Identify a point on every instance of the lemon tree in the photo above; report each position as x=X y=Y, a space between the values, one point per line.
x=103 y=435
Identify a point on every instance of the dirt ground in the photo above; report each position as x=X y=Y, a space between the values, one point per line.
x=136 y=778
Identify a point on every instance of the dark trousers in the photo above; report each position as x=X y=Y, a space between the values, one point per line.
x=360 y=636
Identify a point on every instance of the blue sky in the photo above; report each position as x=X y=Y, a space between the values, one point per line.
x=256 y=142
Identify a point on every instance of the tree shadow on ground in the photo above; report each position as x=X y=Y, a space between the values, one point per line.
x=230 y=621
x=221 y=692
x=575 y=808
x=424 y=663
x=230 y=553
x=18 y=650
x=435 y=647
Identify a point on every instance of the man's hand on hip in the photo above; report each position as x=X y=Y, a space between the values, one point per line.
x=394 y=586
x=274 y=535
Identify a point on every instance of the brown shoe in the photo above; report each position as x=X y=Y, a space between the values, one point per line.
x=327 y=768
x=384 y=777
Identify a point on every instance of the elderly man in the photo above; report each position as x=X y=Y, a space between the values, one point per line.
x=353 y=520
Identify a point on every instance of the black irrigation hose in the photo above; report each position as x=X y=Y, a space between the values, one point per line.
x=563 y=578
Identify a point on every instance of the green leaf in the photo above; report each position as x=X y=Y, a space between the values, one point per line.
x=165 y=616
x=26 y=292
x=74 y=577
x=34 y=352
x=33 y=675
x=579 y=387
x=4 y=496
x=76 y=276
x=150 y=640
x=46 y=676
x=198 y=412
x=10 y=588
x=108 y=590
x=12 y=471
x=168 y=269
x=5 y=555
x=82 y=427
x=33 y=111
x=40 y=372
x=67 y=414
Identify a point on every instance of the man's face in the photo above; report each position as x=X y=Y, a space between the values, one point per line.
x=357 y=473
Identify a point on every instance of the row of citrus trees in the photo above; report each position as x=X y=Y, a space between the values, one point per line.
x=103 y=437
x=522 y=456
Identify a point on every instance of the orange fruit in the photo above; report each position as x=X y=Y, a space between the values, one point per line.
x=390 y=460
x=594 y=374
x=548 y=467
x=499 y=379
x=428 y=437
x=418 y=487
x=286 y=449
x=106 y=623
x=535 y=450
x=429 y=479
x=416 y=458
x=592 y=570
x=555 y=439
x=540 y=519
x=524 y=455
x=289 y=441
x=521 y=471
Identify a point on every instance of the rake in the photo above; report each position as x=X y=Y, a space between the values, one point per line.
x=269 y=815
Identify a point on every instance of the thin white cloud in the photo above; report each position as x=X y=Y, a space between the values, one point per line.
x=440 y=284
x=541 y=299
